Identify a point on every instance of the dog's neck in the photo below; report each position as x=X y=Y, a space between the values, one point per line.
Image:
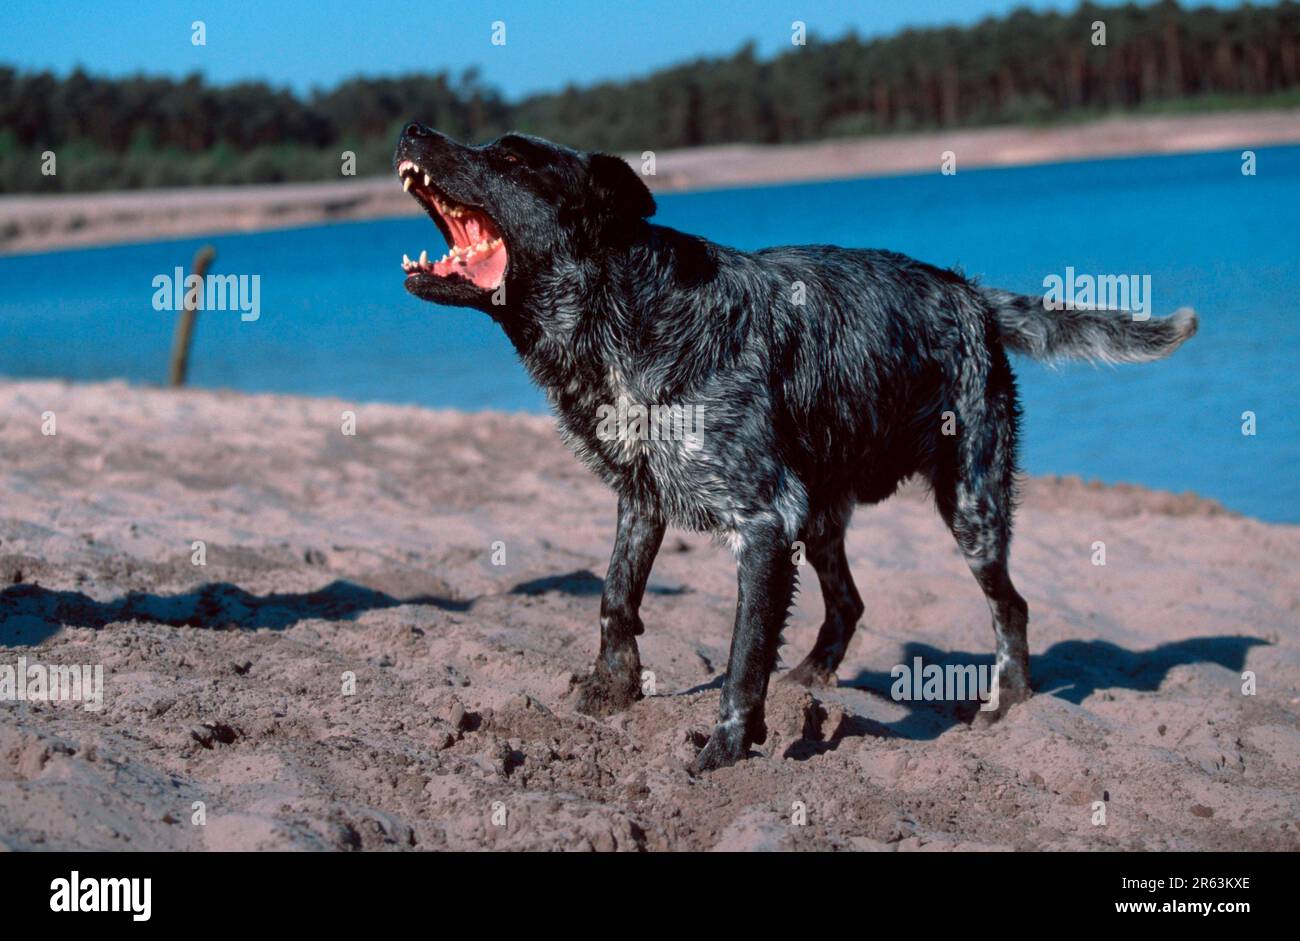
x=584 y=318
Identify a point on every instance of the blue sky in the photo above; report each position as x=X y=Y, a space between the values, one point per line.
x=549 y=43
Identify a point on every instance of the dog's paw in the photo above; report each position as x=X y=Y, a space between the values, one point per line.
x=725 y=747
x=1007 y=697
x=730 y=742
x=810 y=673
x=603 y=694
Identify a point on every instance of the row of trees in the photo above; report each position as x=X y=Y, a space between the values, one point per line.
x=1024 y=67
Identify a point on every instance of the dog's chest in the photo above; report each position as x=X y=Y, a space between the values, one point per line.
x=643 y=447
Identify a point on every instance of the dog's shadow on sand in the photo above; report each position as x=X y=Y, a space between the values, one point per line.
x=584 y=584
x=1071 y=670
x=29 y=614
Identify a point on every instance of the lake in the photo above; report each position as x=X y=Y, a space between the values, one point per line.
x=336 y=321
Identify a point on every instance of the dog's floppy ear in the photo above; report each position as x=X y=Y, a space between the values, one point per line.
x=617 y=189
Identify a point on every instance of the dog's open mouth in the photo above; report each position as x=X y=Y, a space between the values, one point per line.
x=476 y=252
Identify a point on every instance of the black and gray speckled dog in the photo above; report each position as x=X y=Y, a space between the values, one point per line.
x=823 y=376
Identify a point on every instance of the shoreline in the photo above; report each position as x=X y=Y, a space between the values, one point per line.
x=1046 y=491
x=39 y=223
x=1041 y=491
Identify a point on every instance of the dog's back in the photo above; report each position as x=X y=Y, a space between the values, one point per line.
x=872 y=348
x=866 y=362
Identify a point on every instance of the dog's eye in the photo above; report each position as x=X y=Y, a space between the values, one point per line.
x=515 y=150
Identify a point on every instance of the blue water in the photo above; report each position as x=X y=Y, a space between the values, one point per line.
x=336 y=321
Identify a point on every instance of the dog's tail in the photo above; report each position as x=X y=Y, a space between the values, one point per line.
x=1105 y=336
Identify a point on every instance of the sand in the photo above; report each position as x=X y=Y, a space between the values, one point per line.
x=373 y=555
x=41 y=223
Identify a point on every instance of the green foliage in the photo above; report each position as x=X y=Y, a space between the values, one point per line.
x=1026 y=67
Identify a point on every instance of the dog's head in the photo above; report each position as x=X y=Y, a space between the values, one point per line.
x=511 y=211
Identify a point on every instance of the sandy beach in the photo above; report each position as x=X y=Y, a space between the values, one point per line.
x=43 y=223
x=373 y=556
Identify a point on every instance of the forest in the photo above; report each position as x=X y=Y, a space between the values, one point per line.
x=1024 y=68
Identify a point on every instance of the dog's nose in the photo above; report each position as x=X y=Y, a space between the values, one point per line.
x=416 y=130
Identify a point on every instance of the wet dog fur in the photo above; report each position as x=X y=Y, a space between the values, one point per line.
x=824 y=376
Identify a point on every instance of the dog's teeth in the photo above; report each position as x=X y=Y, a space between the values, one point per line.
x=406 y=262
x=406 y=186
x=427 y=180
x=424 y=258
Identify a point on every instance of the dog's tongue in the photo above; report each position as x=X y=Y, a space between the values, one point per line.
x=466 y=230
x=483 y=266
x=484 y=269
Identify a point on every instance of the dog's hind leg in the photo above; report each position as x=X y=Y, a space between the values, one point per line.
x=615 y=683
x=765 y=588
x=842 y=602
x=975 y=495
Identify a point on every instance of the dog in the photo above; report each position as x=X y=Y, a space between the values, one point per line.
x=825 y=376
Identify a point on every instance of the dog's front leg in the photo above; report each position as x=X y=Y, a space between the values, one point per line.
x=615 y=683
x=765 y=586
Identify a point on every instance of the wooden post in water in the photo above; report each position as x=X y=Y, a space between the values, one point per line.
x=180 y=362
